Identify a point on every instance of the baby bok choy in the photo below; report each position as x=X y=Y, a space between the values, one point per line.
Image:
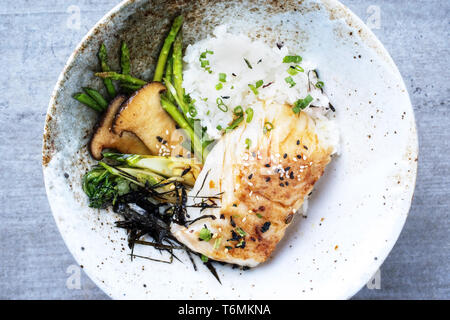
x=159 y=177
x=169 y=167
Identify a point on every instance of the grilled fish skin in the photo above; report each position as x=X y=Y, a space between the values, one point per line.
x=261 y=186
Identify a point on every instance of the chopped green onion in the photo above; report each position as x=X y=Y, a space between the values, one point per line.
x=217 y=243
x=222 y=77
x=205 y=234
x=222 y=106
x=319 y=84
x=268 y=126
x=253 y=88
x=292 y=59
x=204 y=62
x=259 y=83
x=193 y=111
x=248 y=63
x=249 y=112
x=204 y=258
x=219 y=86
x=290 y=81
x=241 y=232
x=301 y=104
x=238 y=111
x=234 y=124
x=203 y=54
x=259 y=215
x=219 y=127
x=248 y=143
x=299 y=69
x=295 y=70
x=241 y=243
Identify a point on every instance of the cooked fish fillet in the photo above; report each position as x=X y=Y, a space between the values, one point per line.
x=260 y=186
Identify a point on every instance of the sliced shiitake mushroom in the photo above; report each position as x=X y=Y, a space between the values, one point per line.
x=105 y=138
x=143 y=115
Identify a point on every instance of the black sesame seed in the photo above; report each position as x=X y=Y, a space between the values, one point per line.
x=222 y=216
x=265 y=227
x=299 y=156
x=285 y=156
x=291 y=175
x=306 y=148
x=235 y=236
x=267 y=179
x=287 y=183
x=267 y=165
x=287 y=168
x=241 y=244
x=159 y=138
x=250 y=176
x=281 y=184
x=298 y=142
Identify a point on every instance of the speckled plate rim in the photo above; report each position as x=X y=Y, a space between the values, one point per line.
x=350 y=16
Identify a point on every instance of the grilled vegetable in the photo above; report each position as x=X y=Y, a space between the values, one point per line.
x=104 y=138
x=161 y=64
x=142 y=114
x=103 y=57
x=187 y=169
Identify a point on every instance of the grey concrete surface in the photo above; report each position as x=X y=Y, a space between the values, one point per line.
x=35 y=42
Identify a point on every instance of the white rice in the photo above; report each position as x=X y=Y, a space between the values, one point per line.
x=228 y=55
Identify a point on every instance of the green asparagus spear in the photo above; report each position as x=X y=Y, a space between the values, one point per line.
x=125 y=59
x=168 y=77
x=178 y=66
x=103 y=57
x=130 y=87
x=121 y=77
x=143 y=178
x=94 y=94
x=172 y=110
x=161 y=64
x=88 y=101
x=183 y=106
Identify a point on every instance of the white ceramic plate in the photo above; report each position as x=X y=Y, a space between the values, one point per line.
x=357 y=210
